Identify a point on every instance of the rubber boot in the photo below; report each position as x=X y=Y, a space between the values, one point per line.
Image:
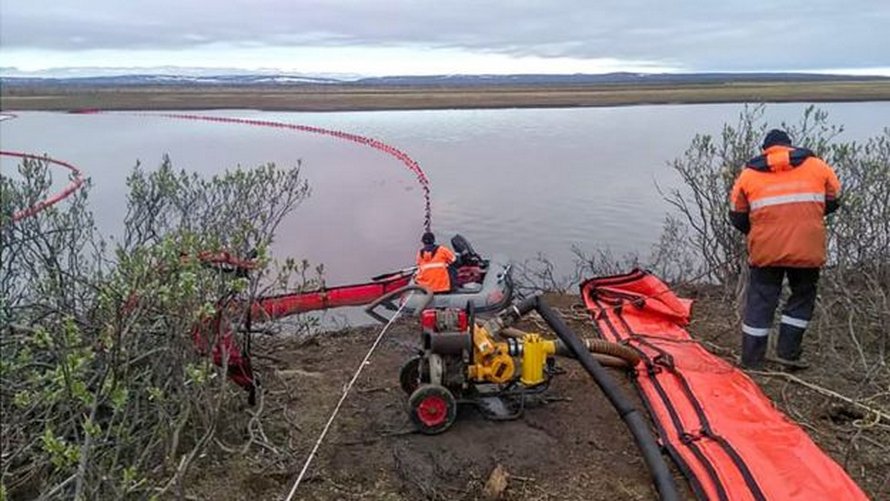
x=788 y=347
x=753 y=351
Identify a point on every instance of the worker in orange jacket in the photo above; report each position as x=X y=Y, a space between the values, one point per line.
x=433 y=265
x=780 y=201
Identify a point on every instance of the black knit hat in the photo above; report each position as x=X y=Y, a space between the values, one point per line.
x=774 y=137
x=428 y=238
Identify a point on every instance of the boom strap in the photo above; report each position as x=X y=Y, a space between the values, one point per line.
x=724 y=434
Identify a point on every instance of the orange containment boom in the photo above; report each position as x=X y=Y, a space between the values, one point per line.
x=266 y=308
x=724 y=434
x=226 y=350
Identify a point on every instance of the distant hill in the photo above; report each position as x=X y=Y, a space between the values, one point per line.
x=427 y=81
x=610 y=78
x=172 y=80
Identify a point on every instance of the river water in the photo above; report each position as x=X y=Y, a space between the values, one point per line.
x=513 y=181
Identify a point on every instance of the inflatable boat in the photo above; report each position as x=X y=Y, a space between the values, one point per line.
x=485 y=285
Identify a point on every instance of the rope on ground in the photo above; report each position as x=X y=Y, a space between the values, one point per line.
x=878 y=413
x=349 y=385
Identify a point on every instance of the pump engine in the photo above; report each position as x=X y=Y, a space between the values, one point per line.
x=462 y=362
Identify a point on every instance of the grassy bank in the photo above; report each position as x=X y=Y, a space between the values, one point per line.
x=343 y=98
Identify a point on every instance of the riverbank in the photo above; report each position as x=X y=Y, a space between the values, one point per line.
x=369 y=98
x=571 y=446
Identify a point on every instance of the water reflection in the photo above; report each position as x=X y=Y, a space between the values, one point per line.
x=516 y=181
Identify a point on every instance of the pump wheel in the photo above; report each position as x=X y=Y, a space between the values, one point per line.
x=409 y=376
x=433 y=408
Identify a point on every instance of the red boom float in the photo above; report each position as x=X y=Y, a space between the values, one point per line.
x=70 y=188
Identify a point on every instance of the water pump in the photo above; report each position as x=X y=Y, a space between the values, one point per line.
x=462 y=361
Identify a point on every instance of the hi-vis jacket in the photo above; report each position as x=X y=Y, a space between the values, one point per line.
x=432 y=268
x=780 y=200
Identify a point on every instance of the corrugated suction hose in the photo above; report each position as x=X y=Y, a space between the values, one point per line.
x=605 y=352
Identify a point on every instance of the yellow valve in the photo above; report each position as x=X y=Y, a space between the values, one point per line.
x=496 y=368
x=535 y=351
x=492 y=360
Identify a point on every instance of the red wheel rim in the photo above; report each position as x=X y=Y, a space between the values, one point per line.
x=432 y=410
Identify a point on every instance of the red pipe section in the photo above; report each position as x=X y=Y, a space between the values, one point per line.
x=266 y=308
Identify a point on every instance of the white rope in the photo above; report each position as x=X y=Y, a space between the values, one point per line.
x=327 y=426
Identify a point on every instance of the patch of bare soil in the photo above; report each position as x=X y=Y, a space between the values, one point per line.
x=572 y=445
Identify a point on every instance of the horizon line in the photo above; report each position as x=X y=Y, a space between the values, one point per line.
x=195 y=72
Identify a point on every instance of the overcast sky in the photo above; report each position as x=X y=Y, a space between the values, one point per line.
x=399 y=37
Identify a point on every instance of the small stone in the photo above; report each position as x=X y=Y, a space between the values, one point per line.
x=496 y=484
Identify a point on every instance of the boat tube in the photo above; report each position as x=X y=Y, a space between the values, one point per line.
x=487 y=286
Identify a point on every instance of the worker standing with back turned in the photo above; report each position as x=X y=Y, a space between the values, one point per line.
x=433 y=263
x=780 y=201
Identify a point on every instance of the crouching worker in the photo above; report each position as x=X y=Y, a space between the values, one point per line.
x=779 y=201
x=433 y=265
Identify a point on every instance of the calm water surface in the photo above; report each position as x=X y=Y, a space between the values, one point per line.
x=515 y=181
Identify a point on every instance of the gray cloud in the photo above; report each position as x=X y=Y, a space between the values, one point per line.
x=697 y=35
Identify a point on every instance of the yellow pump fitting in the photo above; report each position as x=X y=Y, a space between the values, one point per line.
x=535 y=351
x=492 y=360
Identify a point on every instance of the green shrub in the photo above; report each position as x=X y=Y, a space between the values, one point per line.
x=104 y=394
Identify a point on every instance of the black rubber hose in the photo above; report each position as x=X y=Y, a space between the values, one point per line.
x=528 y=304
x=661 y=475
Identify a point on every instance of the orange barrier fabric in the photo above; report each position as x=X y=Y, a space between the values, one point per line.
x=713 y=420
x=273 y=307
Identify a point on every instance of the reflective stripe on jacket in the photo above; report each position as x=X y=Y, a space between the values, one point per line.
x=784 y=193
x=432 y=268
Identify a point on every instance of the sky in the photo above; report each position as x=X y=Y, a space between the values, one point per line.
x=420 y=37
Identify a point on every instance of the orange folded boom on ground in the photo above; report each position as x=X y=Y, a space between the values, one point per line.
x=713 y=420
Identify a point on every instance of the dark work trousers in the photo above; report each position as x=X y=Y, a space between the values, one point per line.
x=764 y=289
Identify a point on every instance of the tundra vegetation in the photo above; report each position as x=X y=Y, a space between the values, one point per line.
x=104 y=395
x=425 y=97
